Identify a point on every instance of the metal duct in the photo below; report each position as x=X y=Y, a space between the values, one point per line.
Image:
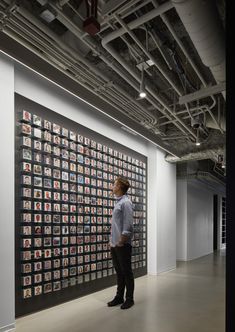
x=200 y=155
x=202 y=22
x=210 y=123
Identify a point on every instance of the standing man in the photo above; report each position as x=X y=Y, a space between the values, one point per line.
x=120 y=242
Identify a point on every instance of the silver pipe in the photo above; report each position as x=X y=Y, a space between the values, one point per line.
x=148 y=54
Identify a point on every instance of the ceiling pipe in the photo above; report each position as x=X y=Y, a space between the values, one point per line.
x=201 y=21
x=199 y=155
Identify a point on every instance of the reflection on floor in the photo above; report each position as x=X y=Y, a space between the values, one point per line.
x=188 y=299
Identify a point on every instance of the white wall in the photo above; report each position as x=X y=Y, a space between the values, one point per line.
x=181 y=220
x=161 y=213
x=44 y=92
x=166 y=214
x=200 y=221
x=7 y=190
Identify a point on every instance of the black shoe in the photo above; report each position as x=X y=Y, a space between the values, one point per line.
x=115 y=301
x=127 y=304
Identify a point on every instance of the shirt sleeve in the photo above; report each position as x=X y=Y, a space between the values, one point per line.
x=127 y=219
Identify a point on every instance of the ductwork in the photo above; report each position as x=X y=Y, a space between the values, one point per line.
x=200 y=155
x=201 y=21
x=210 y=123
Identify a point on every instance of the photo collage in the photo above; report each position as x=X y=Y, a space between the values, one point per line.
x=66 y=205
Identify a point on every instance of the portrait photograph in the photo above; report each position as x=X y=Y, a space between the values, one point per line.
x=27 y=204
x=72 y=156
x=73 y=146
x=47 y=183
x=65 y=176
x=26 y=192
x=73 y=219
x=56 y=274
x=47 y=125
x=37 y=254
x=37 y=230
x=27 y=243
x=27 y=293
x=64 y=154
x=56 y=184
x=47 y=160
x=26 y=230
x=26 y=116
x=47 y=230
x=56 y=139
x=80 y=158
x=72 y=177
x=37 y=278
x=37 y=145
x=72 y=135
x=65 y=164
x=56 y=286
x=37 y=121
x=73 y=167
x=65 y=219
x=80 y=148
x=37 y=206
x=65 y=241
x=37 y=133
x=86 y=190
x=56 y=241
x=27 y=167
x=37 y=169
x=37 y=290
x=56 y=150
x=64 y=142
x=72 y=198
x=65 y=273
x=37 y=242
x=26 y=268
x=56 y=162
x=93 y=154
x=47 y=265
x=47 y=288
x=47 y=218
x=56 y=173
x=47 y=253
x=27 y=154
x=47 y=136
x=47 y=206
x=56 y=207
x=64 y=132
x=47 y=195
x=26 y=141
x=26 y=255
x=56 y=128
x=37 y=266
x=47 y=147
x=26 y=129
x=65 y=251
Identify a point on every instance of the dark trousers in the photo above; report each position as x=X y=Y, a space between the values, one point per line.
x=122 y=263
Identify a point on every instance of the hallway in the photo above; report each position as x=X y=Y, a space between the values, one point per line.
x=188 y=299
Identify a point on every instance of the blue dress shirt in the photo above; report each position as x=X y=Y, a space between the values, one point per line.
x=122 y=220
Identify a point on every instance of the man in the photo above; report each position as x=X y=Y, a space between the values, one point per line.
x=120 y=242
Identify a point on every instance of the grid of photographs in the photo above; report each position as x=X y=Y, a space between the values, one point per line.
x=66 y=206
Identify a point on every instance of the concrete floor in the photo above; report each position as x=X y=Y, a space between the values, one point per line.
x=188 y=299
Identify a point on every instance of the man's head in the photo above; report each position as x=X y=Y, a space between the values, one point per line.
x=120 y=187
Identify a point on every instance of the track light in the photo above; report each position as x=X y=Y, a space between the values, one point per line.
x=142 y=93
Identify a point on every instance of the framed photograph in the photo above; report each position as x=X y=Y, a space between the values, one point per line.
x=56 y=128
x=47 y=218
x=37 y=254
x=65 y=164
x=27 y=293
x=26 y=268
x=37 y=242
x=37 y=133
x=47 y=136
x=38 y=230
x=26 y=141
x=37 y=121
x=47 y=230
x=27 y=167
x=37 y=157
x=56 y=139
x=47 y=125
x=26 y=192
x=47 y=183
x=64 y=132
x=26 y=255
x=56 y=162
x=47 y=160
x=47 y=265
x=80 y=158
x=37 y=193
x=37 y=290
x=27 y=154
x=26 y=129
x=37 y=145
x=72 y=135
x=56 y=150
x=47 y=147
x=37 y=266
x=37 y=169
x=47 y=288
x=64 y=154
x=73 y=146
x=37 y=218
x=47 y=253
x=26 y=116
x=27 y=205
x=80 y=138
x=27 y=243
x=47 y=206
x=73 y=167
x=56 y=218
x=37 y=206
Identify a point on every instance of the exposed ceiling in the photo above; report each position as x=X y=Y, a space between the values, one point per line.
x=174 y=50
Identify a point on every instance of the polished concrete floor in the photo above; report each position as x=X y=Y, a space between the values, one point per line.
x=188 y=299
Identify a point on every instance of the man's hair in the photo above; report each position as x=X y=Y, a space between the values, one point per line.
x=124 y=184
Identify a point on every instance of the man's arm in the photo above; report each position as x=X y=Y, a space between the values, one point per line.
x=127 y=223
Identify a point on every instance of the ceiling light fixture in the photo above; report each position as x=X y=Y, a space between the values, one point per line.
x=142 y=93
x=198 y=143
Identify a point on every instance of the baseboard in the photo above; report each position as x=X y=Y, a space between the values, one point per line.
x=172 y=268
x=7 y=328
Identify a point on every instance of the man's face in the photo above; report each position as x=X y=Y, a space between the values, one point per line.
x=117 y=189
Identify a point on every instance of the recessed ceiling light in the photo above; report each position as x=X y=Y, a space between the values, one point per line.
x=142 y=94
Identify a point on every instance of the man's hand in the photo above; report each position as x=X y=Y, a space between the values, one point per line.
x=122 y=241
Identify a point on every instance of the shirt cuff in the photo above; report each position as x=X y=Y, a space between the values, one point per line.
x=127 y=233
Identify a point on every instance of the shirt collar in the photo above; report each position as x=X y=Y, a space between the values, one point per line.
x=120 y=197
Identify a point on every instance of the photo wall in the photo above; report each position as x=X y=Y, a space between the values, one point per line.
x=64 y=203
